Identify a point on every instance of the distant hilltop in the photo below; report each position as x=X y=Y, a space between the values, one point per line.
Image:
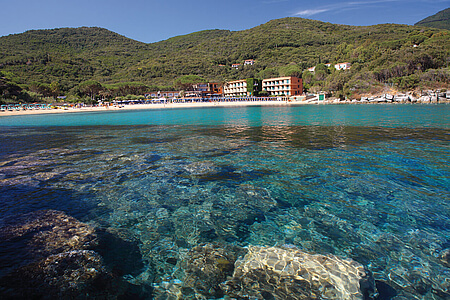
x=440 y=20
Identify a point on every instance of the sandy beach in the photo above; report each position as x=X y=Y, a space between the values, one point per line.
x=145 y=106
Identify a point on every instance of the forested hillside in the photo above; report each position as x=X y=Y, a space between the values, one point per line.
x=440 y=20
x=64 y=61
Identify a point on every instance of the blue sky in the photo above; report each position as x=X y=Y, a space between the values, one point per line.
x=155 y=20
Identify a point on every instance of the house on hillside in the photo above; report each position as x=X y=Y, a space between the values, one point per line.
x=313 y=69
x=287 y=86
x=342 y=66
x=235 y=66
x=249 y=62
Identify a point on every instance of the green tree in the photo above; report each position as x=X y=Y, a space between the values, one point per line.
x=291 y=70
x=90 y=88
x=254 y=86
x=41 y=89
x=268 y=73
x=307 y=77
x=9 y=90
x=187 y=81
x=55 y=89
x=321 y=72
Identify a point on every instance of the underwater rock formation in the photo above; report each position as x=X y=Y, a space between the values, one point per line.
x=277 y=273
x=212 y=271
x=206 y=266
x=54 y=258
x=77 y=274
x=36 y=235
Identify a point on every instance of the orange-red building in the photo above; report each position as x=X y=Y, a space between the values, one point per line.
x=215 y=88
x=287 y=86
x=205 y=90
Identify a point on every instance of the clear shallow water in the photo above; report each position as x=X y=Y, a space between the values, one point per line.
x=321 y=115
x=367 y=182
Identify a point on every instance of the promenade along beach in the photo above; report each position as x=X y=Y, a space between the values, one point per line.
x=226 y=201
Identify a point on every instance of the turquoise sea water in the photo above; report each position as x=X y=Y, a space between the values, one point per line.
x=316 y=115
x=366 y=182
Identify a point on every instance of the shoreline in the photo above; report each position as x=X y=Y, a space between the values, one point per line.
x=187 y=105
x=146 y=106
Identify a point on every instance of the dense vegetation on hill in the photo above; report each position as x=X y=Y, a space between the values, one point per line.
x=78 y=61
x=440 y=20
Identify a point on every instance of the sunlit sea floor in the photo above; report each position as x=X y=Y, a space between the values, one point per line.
x=377 y=195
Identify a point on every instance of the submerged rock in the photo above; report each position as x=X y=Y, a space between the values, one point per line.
x=212 y=271
x=50 y=255
x=277 y=273
x=47 y=232
x=206 y=266
x=77 y=274
x=30 y=237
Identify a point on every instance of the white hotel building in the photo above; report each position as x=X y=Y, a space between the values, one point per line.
x=237 y=88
